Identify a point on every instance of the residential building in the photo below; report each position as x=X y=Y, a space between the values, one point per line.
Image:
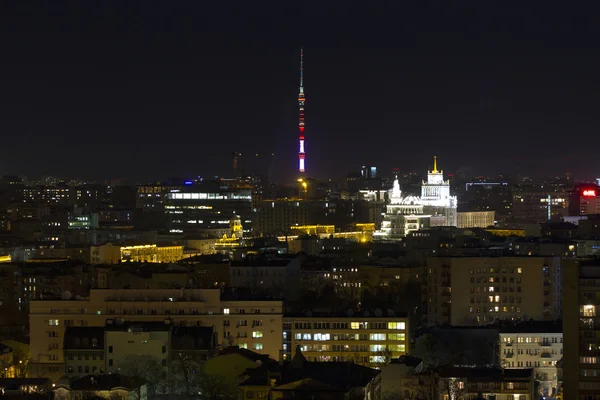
x=534 y=345
x=472 y=383
x=366 y=338
x=480 y=290
x=249 y=323
x=581 y=366
x=278 y=277
x=93 y=350
x=316 y=380
x=111 y=386
x=83 y=348
x=126 y=341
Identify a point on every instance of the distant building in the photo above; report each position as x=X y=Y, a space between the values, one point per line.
x=152 y=253
x=208 y=207
x=475 y=219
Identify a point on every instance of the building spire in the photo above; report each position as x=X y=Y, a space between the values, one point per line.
x=301 y=69
x=435 y=171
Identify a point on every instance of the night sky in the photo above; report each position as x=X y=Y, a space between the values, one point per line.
x=140 y=90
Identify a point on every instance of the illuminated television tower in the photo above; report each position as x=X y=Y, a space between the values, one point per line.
x=301 y=154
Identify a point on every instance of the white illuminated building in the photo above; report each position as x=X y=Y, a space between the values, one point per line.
x=406 y=214
x=436 y=198
x=403 y=215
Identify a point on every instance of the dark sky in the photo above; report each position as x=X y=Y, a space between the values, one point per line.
x=147 y=89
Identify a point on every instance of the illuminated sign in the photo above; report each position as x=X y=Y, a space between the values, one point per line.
x=589 y=193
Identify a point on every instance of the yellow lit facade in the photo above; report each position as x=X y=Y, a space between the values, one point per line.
x=149 y=253
x=366 y=340
x=507 y=232
x=5 y=259
x=475 y=219
x=313 y=229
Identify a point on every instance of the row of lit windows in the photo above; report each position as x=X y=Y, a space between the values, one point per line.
x=496 y=270
x=495 y=309
x=371 y=336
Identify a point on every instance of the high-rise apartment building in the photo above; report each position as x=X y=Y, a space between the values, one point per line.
x=581 y=330
x=481 y=290
x=252 y=324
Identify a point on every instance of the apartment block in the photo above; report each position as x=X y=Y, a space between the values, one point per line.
x=366 y=338
x=534 y=345
x=465 y=291
x=255 y=324
x=581 y=308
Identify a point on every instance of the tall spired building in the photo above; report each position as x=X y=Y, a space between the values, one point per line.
x=403 y=215
x=436 y=198
x=406 y=214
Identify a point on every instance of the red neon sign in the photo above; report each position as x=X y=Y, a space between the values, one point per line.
x=589 y=193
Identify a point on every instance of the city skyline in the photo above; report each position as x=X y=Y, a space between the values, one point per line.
x=172 y=96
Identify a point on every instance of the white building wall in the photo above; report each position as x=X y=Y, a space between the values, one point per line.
x=540 y=351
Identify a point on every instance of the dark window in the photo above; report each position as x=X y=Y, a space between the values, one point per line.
x=110 y=349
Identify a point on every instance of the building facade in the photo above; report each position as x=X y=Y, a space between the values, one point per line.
x=475 y=219
x=581 y=302
x=467 y=291
x=254 y=324
x=538 y=350
x=367 y=338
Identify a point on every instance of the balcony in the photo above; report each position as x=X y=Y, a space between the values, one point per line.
x=546 y=355
x=545 y=344
x=510 y=355
x=508 y=344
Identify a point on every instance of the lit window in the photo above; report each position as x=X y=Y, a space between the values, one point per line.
x=491 y=289
x=53 y=322
x=588 y=310
x=306 y=336
x=497 y=299
x=354 y=325
x=397 y=325
x=397 y=347
x=396 y=336
x=257 y=334
x=377 y=336
x=298 y=336
x=226 y=311
x=258 y=346
x=519 y=270
x=243 y=345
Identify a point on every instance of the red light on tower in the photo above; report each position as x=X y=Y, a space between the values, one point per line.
x=589 y=193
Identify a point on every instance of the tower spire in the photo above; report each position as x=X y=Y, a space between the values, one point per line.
x=301 y=69
x=301 y=153
x=435 y=171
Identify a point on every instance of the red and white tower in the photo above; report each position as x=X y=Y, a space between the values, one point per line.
x=301 y=153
